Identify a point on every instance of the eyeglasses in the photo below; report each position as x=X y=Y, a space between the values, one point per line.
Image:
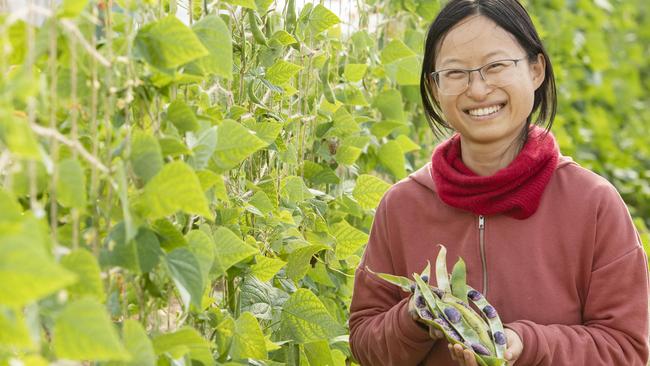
x=497 y=74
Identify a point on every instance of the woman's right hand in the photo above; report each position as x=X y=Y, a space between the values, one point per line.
x=434 y=333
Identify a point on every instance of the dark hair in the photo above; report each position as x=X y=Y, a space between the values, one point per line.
x=509 y=15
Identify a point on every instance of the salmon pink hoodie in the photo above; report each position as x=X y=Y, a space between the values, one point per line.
x=571 y=280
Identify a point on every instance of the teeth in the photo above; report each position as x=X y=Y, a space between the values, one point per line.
x=484 y=111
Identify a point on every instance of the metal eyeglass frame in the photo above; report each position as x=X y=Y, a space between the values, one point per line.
x=434 y=74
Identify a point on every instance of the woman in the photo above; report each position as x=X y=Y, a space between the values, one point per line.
x=550 y=244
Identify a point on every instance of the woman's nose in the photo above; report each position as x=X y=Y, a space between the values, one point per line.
x=477 y=87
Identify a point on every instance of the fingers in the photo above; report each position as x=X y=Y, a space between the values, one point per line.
x=435 y=333
x=462 y=356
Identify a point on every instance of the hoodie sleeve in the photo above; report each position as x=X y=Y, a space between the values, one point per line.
x=614 y=330
x=381 y=330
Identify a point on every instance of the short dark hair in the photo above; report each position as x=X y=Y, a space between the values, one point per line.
x=509 y=15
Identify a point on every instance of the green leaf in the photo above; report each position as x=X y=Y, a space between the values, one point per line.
x=138 y=344
x=171 y=146
x=14 y=329
x=281 y=72
x=202 y=246
x=283 y=37
x=248 y=341
x=146 y=156
x=384 y=128
x=293 y=189
x=230 y=249
x=27 y=271
x=265 y=268
x=174 y=188
x=319 y=353
x=215 y=35
x=182 y=116
x=266 y=131
x=347 y=155
x=17 y=135
x=168 y=43
x=84 y=331
x=250 y=4
x=71 y=8
x=89 y=283
x=348 y=239
x=305 y=319
x=390 y=104
x=148 y=249
x=260 y=298
x=406 y=144
x=262 y=202
x=234 y=144
x=395 y=50
x=224 y=333
x=299 y=260
x=188 y=338
x=405 y=71
x=369 y=190
x=71 y=185
x=355 y=72
x=391 y=156
x=171 y=237
x=203 y=147
x=10 y=210
x=343 y=124
x=321 y=18
x=185 y=270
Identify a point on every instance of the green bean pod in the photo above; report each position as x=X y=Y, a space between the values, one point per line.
x=494 y=322
x=291 y=17
x=258 y=35
x=324 y=77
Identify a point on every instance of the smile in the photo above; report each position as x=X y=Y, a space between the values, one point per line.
x=486 y=111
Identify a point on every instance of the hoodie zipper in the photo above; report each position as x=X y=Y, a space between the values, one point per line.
x=481 y=241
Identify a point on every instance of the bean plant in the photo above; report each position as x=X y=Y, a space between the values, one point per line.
x=193 y=182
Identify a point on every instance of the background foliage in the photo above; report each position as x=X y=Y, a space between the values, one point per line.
x=199 y=190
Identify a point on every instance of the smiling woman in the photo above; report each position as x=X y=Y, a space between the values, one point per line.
x=550 y=243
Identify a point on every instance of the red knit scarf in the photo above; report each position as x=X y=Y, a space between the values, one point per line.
x=514 y=190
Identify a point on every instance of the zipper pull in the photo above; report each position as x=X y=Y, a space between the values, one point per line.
x=481 y=222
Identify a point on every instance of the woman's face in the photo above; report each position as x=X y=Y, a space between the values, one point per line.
x=485 y=114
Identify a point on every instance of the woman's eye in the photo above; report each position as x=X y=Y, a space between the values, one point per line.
x=454 y=74
x=496 y=66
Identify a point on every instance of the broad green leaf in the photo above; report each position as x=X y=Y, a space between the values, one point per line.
x=281 y=72
x=71 y=8
x=319 y=174
x=203 y=248
x=148 y=249
x=182 y=116
x=344 y=124
x=260 y=298
x=347 y=155
x=146 y=156
x=174 y=188
x=299 y=260
x=215 y=36
x=369 y=190
x=355 y=72
x=348 y=239
x=171 y=146
x=248 y=341
x=71 y=185
x=230 y=249
x=224 y=333
x=208 y=179
x=283 y=37
x=266 y=131
x=84 y=331
x=294 y=190
x=305 y=319
x=171 y=237
x=265 y=268
x=89 y=283
x=185 y=270
x=234 y=144
x=14 y=329
x=262 y=202
x=406 y=144
x=405 y=71
x=168 y=43
x=138 y=344
x=391 y=156
x=203 y=147
x=17 y=135
x=390 y=104
x=321 y=18
x=395 y=50
x=189 y=338
x=10 y=210
x=250 y=4
x=384 y=128
x=320 y=275
x=27 y=271
x=319 y=353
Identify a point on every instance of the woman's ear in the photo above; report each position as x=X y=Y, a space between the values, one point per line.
x=538 y=71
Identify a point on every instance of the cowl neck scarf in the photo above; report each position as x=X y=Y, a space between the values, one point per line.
x=515 y=190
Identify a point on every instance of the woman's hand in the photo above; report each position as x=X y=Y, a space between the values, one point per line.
x=465 y=357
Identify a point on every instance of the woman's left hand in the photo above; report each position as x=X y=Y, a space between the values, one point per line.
x=465 y=357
